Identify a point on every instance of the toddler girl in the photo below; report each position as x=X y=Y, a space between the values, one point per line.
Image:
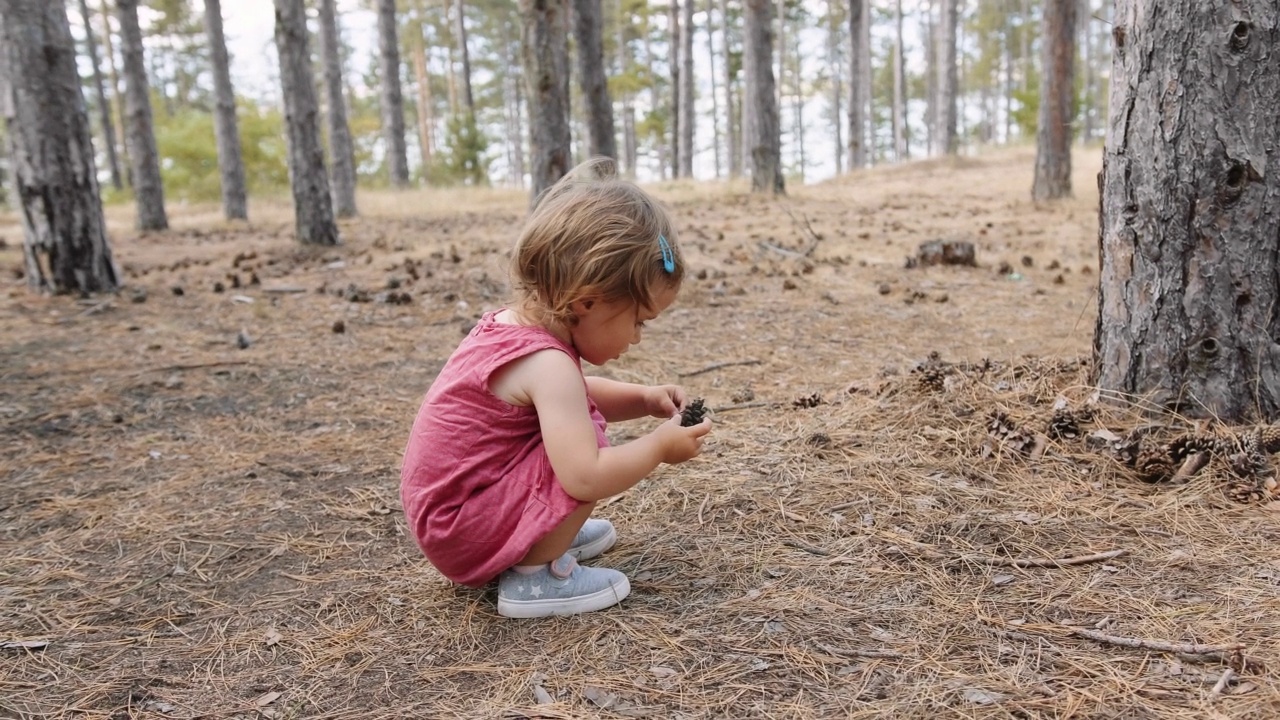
x=508 y=454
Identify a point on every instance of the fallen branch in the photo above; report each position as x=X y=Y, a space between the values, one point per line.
x=1043 y=562
x=1227 y=676
x=855 y=652
x=784 y=251
x=1160 y=645
x=718 y=366
x=806 y=547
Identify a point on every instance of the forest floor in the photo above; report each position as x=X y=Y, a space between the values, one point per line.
x=191 y=528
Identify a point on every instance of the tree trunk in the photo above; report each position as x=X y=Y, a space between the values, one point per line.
x=674 y=45
x=425 y=114
x=1057 y=89
x=629 y=150
x=732 y=117
x=109 y=50
x=147 y=185
x=546 y=72
x=766 y=140
x=1188 y=296
x=837 y=82
x=947 y=76
x=512 y=82
x=899 y=88
x=460 y=36
x=312 y=204
x=715 y=101
x=392 y=98
x=588 y=34
x=65 y=244
x=687 y=110
x=342 y=173
x=929 y=35
x=859 y=81
x=230 y=161
x=104 y=108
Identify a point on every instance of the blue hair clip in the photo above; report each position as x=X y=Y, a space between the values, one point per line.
x=668 y=257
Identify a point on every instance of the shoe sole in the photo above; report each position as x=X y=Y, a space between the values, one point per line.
x=597 y=600
x=595 y=547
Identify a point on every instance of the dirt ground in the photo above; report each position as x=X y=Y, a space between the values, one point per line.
x=200 y=512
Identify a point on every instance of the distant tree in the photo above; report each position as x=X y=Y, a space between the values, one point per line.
x=948 y=76
x=108 y=47
x=899 y=107
x=674 y=66
x=341 y=155
x=711 y=75
x=588 y=34
x=546 y=75
x=765 y=133
x=227 y=130
x=836 y=80
x=687 y=118
x=392 y=97
x=733 y=118
x=104 y=107
x=1188 y=291
x=65 y=244
x=312 y=204
x=147 y=185
x=1057 y=91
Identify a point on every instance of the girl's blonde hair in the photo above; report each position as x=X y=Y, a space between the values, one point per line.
x=593 y=235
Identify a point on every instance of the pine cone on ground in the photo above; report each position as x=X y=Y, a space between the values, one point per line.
x=932 y=373
x=1065 y=423
x=1154 y=463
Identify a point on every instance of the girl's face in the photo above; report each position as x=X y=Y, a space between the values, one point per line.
x=606 y=330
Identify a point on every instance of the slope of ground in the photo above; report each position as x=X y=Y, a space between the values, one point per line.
x=200 y=514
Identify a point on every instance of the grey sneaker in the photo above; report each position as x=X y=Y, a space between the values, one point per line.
x=595 y=537
x=562 y=587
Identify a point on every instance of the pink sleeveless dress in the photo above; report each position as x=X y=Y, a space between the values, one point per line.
x=476 y=484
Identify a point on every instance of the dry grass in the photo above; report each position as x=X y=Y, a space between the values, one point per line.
x=189 y=529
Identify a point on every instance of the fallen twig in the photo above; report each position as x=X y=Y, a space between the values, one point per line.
x=1043 y=562
x=806 y=547
x=856 y=652
x=718 y=366
x=1227 y=676
x=1161 y=645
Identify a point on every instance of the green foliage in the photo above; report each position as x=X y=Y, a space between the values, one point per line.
x=189 y=153
x=1026 y=106
x=464 y=157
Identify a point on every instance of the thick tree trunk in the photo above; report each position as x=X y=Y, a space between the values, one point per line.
x=47 y=129
x=766 y=139
x=1188 y=296
x=859 y=90
x=588 y=34
x=687 y=109
x=104 y=107
x=1057 y=90
x=312 y=204
x=230 y=161
x=392 y=97
x=147 y=185
x=546 y=72
x=342 y=171
x=948 y=80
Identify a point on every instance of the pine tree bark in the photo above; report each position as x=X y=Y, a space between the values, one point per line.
x=766 y=138
x=226 y=129
x=837 y=84
x=588 y=34
x=392 y=97
x=148 y=188
x=65 y=246
x=546 y=73
x=948 y=79
x=732 y=115
x=342 y=168
x=1188 y=297
x=687 y=110
x=312 y=203
x=1057 y=91
x=104 y=108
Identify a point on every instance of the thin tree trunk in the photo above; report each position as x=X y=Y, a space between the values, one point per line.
x=512 y=82
x=655 y=100
x=588 y=35
x=342 y=171
x=711 y=73
x=235 y=204
x=750 y=103
x=392 y=97
x=947 y=76
x=628 y=98
x=451 y=76
x=460 y=34
x=859 y=82
x=899 y=88
x=688 y=117
x=546 y=71
x=49 y=139
x=104 y=108
x=108 y=47
x=837 y=82
x=147 y=185
x=732 y=116
x=766 y=150
x=929 y=33
x=312 y=203
x=1053 y=134
x=425 y=114
x=1188 y=291
x=673 y=42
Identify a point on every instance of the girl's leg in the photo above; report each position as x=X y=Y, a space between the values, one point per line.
x=557 y=542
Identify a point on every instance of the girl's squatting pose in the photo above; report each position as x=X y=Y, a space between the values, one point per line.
x=508 y=454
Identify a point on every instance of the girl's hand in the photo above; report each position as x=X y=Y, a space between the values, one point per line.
x=663 y=401
x=680 y=443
